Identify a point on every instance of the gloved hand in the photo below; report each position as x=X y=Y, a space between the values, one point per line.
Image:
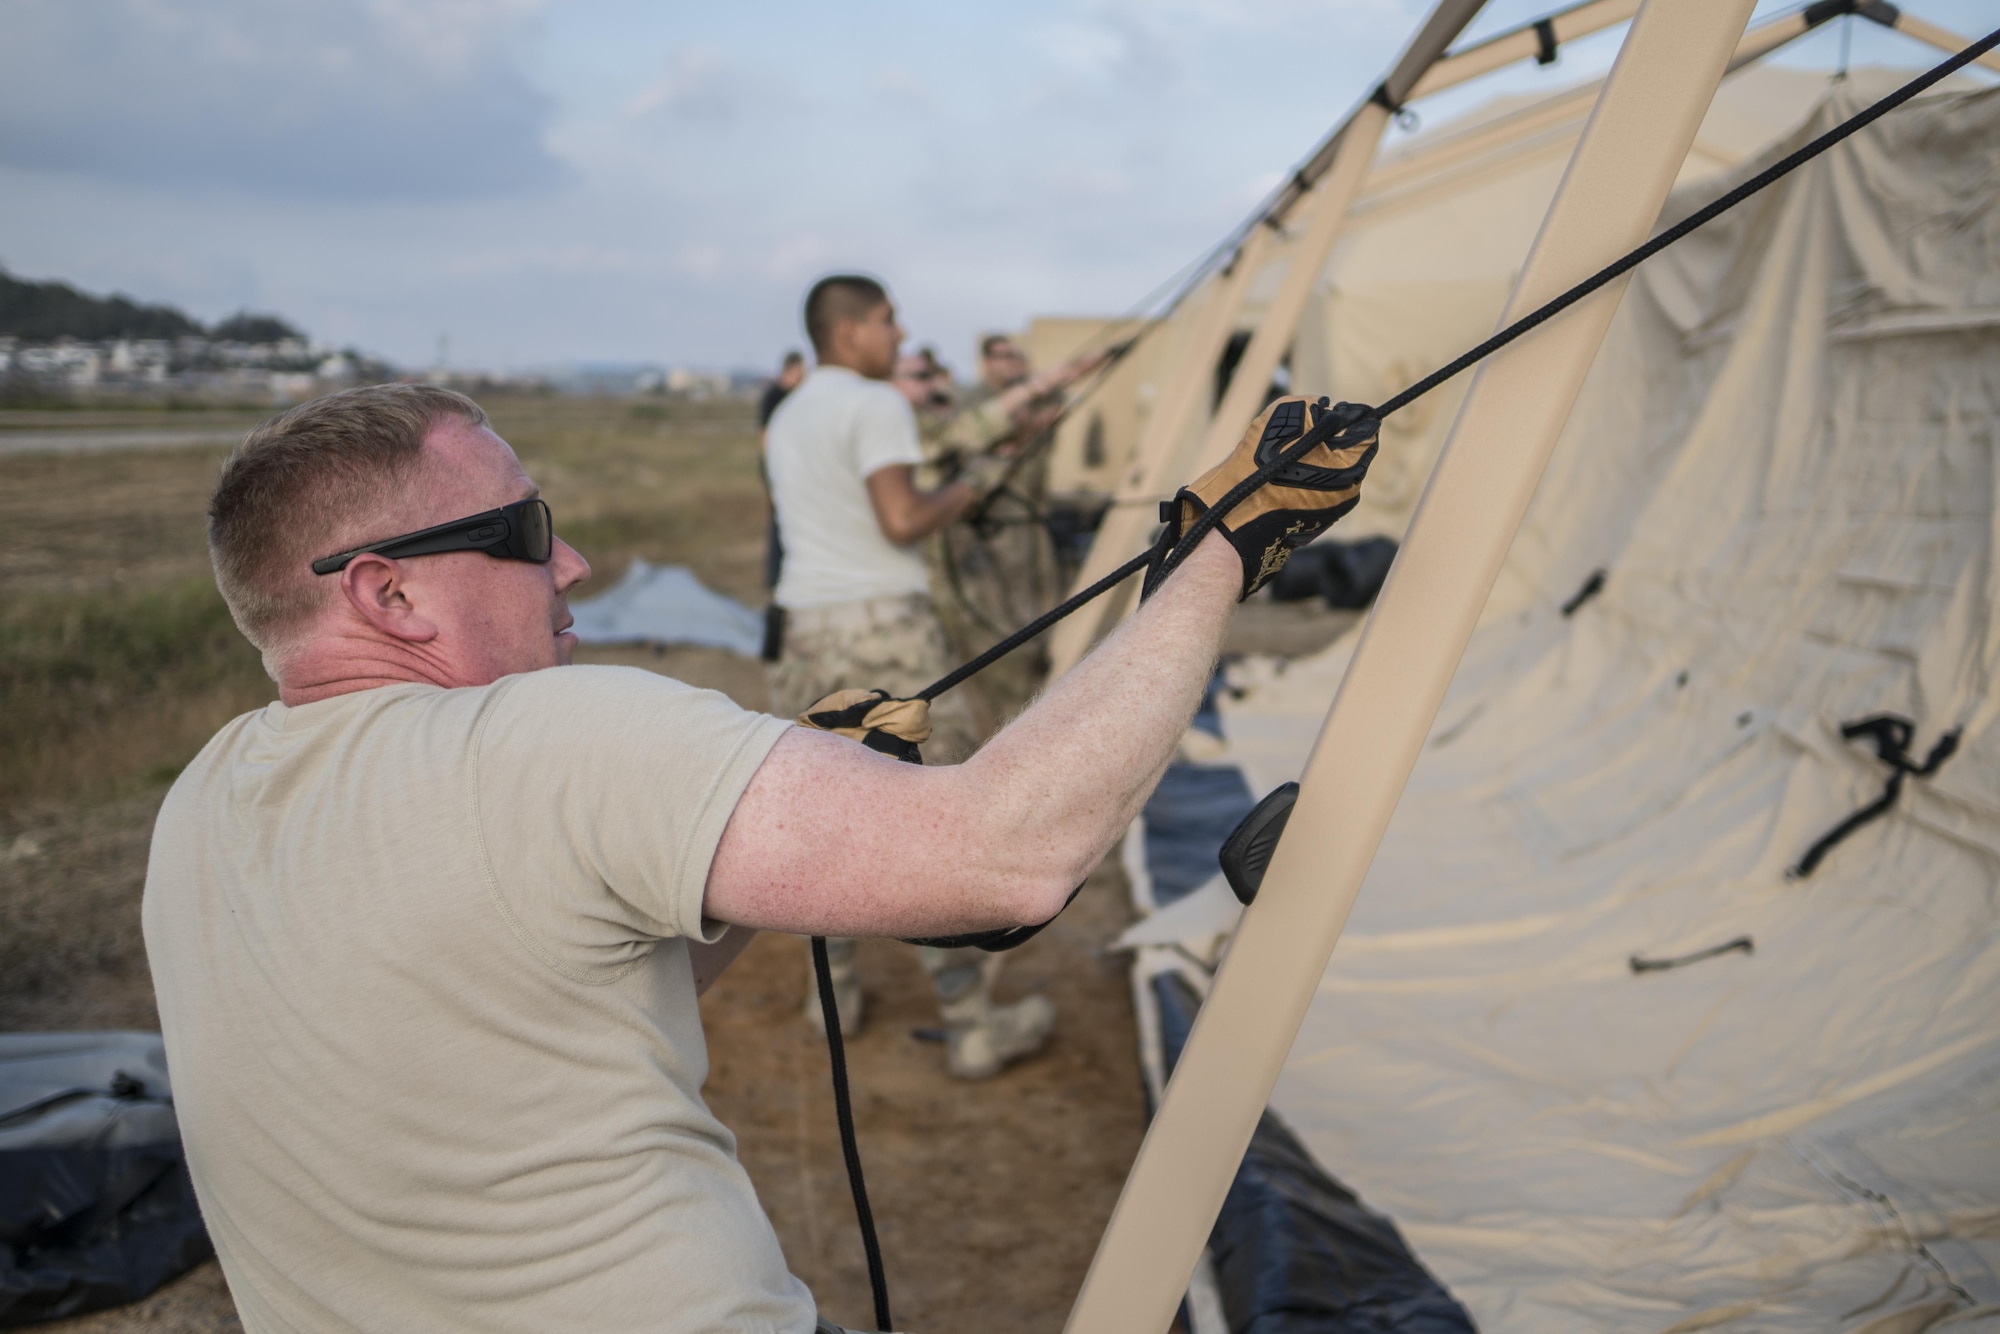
x=1299 y=502
x=878 y=720
x=984 y=472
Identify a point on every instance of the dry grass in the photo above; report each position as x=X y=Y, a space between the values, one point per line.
x=118 y=659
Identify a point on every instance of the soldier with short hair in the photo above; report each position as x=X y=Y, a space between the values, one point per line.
x=842 y=452
x=1003 y=570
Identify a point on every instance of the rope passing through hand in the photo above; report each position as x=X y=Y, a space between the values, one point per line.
x=1167 y=556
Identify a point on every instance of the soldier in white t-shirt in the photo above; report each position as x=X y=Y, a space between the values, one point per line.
x=427 y=934
x=842 y=453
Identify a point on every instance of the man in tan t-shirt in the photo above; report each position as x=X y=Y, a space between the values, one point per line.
x=428 y=932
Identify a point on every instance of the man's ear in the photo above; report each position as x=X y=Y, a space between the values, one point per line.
x=374 y=588
x=841 y=340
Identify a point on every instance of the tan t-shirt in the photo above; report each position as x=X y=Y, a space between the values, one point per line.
x=422 y=968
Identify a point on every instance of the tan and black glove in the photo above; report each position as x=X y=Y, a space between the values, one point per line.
x=985 y=473
x=875 y=718
x=1298 y=503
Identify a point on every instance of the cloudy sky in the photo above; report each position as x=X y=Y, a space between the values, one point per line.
x=548 y=181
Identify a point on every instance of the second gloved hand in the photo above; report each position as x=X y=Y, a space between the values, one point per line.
x=985 y=473
x=1299 y=502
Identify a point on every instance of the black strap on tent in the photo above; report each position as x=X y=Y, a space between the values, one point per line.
x=1892 y=736
x=1742 y=944
x=1589 y=589
x=1826 y=11
x=1545 y=41
x=1884 y=729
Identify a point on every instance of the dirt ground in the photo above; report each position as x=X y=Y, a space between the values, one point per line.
x=989 y=1198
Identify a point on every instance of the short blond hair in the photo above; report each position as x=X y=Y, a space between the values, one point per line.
x=304 y=485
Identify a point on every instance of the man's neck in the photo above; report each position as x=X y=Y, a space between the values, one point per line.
x=834 y=362
x=331 y=667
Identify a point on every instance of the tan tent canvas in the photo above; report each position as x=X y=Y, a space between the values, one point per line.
x=1784 y=462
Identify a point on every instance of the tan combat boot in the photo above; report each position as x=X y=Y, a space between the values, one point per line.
x=982 y=1038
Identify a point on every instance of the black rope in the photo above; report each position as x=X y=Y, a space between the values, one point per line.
x=1034 y=627
x=949 y=561
x=982 y=529
x=843 y=1108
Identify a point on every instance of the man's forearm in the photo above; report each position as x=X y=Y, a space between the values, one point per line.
x=832 y=838
x=906 y=514
x=1063 y=781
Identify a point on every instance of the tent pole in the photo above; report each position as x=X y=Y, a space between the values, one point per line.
x=1537 y=117
x=1161 y=462
x=1304 y=264
x=1610 y=197
x=1183 y=388
x=1522 y=43
x=1942 y=38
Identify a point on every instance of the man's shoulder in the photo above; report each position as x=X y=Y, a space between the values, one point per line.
x=833 y=388
x=839 y=408
x=607 y=701
x=588 y=683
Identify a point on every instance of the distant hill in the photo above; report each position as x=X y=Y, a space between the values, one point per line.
x=43 y=312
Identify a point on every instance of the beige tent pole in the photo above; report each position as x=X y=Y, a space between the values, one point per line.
x=1609 y=200
x=1332 y=175
x=1522 y=43
x=1183 y=388
x=1538 y=117
x=1304 y=264
x=1942 y=38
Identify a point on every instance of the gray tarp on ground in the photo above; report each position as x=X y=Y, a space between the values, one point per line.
x=96 y=1207
x=666 y=604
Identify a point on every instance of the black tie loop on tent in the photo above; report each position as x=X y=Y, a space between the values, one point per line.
x=1881 y=728
x=1892 y=736
x=1742 y=944
x=1545 y=42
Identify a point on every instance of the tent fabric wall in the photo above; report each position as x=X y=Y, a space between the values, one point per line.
x=1431 y=250
x=1784 y=459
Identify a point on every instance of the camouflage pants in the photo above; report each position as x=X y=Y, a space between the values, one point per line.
x=893 y=644
x=987 y=585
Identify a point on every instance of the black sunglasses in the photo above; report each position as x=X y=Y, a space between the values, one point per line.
x=520 y=531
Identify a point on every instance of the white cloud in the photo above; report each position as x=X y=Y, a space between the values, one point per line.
x=340 y=99
x=906 y=89
x=699 y=87
x=798 y=257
